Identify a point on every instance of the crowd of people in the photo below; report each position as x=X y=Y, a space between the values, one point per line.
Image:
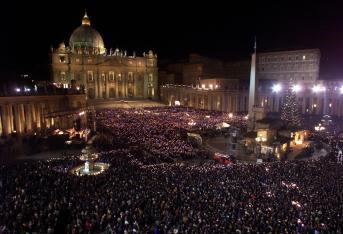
x=161 y=131
x=196 y=197
x=142 y=194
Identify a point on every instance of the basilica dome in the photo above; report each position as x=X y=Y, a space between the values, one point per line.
x=86 y=38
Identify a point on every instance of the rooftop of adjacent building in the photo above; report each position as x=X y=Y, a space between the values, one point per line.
x=22 y=87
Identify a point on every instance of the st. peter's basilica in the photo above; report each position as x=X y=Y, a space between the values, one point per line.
x=85 y=63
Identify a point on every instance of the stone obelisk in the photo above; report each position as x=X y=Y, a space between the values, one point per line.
x=252 y=88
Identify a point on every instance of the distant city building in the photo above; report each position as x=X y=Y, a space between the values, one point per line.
x=296 y=65
x=105 y=74
x=197 y=68
x=227 y=89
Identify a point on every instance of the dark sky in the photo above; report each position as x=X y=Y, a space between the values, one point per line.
x=174 y=29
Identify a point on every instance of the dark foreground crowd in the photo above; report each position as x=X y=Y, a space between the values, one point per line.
x=281 y=197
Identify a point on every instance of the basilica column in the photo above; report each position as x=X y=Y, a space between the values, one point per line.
x=100 y=86
x=230 y=101
x=107 y=86
x=233 y=100
x=134 y=84
x=227 y=98
x=22 y=118
x=96 y=86
x=116 y=86
x=11 y=117
x=6 y=127
x=28 y=117
x=145 y=77
x=33 y=116
x=3 y=120
x=38 y=115
x=190 y=100
x=240 y=103
x=223 y=99
x=17 y=118
x=211 y=101
x=125 y=85
x=235 y=104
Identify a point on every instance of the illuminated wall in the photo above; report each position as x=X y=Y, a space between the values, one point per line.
x=27 y=114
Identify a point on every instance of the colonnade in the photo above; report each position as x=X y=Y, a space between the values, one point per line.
x=27 y=114
x=237 y=101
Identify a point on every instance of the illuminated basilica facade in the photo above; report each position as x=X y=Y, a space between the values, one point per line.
x=104 y=74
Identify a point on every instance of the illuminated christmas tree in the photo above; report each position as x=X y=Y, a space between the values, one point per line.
x=290 y=109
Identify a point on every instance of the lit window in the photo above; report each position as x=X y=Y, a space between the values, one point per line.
x=89 y=60
x=304 y=57
x=63 y=76
x=130 y=77
x=111 y=76
x=150 y=78
x=62 y=59
x=90 y=76
x=77 y=60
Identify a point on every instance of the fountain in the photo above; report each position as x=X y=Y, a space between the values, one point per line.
x=86 y=169
x=90 y=167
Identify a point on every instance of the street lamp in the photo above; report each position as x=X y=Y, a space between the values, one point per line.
x=318 y=88
x=276 y=88
x=296 y=88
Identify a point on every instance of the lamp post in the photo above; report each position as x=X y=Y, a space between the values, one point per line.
x=260 y=140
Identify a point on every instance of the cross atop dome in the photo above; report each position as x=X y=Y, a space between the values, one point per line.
x=85 y=19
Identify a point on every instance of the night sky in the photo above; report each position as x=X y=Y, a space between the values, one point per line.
x=174 y=29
